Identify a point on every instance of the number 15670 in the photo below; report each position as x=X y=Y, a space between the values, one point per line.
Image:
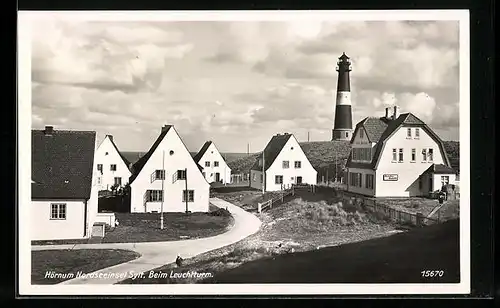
x=431 y=274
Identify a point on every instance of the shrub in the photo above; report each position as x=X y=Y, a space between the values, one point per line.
x=221 y=212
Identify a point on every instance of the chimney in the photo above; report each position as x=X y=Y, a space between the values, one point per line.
x=49 y=130
x=395 y=113
x=387 y=112
x=164 y=128
x=110 y=137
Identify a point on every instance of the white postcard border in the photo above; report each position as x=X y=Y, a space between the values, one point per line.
x=24 y=162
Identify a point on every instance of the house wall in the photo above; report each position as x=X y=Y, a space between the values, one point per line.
x=437 y=180
x=408 y=172
x=363 y=189
x=256 y=179
x=44 y=228
x=212 y=154
x=307 y=172
x=173 y=192
x=107 y=177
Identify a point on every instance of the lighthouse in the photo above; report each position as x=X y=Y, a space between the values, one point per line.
x=342 y=127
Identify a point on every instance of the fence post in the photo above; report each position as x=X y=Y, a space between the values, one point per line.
x=259 y=207
x=282 y=197
x=419 y=219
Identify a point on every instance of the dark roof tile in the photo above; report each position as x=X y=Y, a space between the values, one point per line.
x=202 y=151
x=273 y=148
x=62 y=164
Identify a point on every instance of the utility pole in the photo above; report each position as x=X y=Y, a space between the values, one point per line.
x=162 y=189
x=307 y=136
x=248 y=149
x=225 y=170
x=187 y=193
x=263 y=173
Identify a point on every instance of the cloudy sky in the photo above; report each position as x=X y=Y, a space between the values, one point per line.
x=238 y=82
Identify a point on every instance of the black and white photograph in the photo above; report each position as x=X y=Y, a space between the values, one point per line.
x=244 y=152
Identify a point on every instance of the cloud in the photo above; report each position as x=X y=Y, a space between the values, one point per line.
x=237 y=82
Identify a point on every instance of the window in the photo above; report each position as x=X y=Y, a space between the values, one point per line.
x=394 y=155
x=99 y=167
x=408 y=133
x=216 y=164
x=369 y=181
x=417 y=133
x=431 y=154
x=286 y=164
x=362 y=154
x=159 y=174
x=113 y=167
x=424 y=155
x=346 y=134
x=154 y=195
x=360 y=177
x=400 y=155
x=298 y=164
x=181 y=174
x=118 y=181
x=445 y=180
x=58 y=211
x=207 y=164
x=413 y=155
x=278 y=179
x=189 y=194
x=356 y=179
x=361 y=134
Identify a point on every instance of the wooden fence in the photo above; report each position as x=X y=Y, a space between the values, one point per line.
x=399 y=216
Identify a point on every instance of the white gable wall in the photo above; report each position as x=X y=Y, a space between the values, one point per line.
x=107 y=178
x=173 y=192
x=307 y=172
x=407 y=172
x=212 y=154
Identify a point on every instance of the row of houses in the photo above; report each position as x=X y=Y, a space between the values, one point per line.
x=396 y=155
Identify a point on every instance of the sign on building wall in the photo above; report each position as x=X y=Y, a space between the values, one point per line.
x=390 y=177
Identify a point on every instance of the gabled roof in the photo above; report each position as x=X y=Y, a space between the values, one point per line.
x=137 y=166
x=273 y=148
x=405 y=119
x=202 y=151
x=373 y=127
x=440 y=169
x=125 y=160
x=62 y=164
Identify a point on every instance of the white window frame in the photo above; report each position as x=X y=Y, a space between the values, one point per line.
x=424 y=155
x=117 y=177
x=216 y=163
x=401 y=155
x=285 y=164
x=297 y=164
x=111 y=167
x=417 y=133
x=445 y=179
x=207 y=164
x=60 y=212
x=430 y=155
x=394 y=155
x=190 y=195
x=276 y=177
x=154 y=195
x=413 y=155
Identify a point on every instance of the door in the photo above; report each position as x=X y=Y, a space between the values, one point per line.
x=299 y=180
x=217 y=177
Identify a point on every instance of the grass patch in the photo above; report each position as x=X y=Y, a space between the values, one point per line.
x=449 y=211
x=398 y=258
x=145 y=227
x=70 y=262
x=411 y=205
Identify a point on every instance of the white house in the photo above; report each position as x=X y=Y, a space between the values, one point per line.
x=112 y=166
x=215 y=168
x=63 y=184
x=168 y=178
x=283 y=163
x=397 y=156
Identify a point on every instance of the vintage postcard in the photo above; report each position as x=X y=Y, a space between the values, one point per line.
x=244 y=153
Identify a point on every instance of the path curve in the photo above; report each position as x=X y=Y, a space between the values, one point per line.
x=156 y=254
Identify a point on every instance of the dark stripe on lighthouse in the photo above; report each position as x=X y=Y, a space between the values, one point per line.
x=343 y=117
x=343 y=83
